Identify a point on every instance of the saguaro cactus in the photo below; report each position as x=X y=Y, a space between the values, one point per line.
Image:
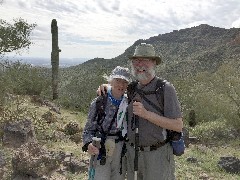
x=55 y=58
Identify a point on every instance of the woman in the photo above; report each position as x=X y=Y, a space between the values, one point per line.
x=112 y=127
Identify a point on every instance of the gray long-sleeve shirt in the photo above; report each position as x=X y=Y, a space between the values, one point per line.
x=91 y=124
x=149 y=133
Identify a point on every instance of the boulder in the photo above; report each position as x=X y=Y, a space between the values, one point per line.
x=17 y=133
x=230 y=164
x=35 y=161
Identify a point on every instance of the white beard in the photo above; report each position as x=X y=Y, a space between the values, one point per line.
x=148 y=72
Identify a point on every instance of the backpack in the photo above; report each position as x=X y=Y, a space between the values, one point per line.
x=175 y=138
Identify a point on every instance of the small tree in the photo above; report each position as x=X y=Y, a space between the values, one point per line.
x=226 y=79
x=16 y=36
x=23 y=79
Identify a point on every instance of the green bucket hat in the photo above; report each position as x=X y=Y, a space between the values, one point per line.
x=144 y=50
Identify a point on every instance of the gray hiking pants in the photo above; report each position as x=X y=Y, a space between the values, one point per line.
x=152 y=165
x=110 y=171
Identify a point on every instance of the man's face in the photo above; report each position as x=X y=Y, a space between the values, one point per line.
x=143 y=69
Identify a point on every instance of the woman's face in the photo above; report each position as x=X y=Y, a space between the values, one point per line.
x=119 y=86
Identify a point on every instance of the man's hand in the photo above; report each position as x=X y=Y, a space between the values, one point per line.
x=102 y=89
x=139 y=110
x=92 y=150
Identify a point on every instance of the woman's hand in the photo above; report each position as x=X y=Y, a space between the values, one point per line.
x=92 y=150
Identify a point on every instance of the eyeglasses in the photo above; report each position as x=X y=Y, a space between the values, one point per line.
x=143 y=60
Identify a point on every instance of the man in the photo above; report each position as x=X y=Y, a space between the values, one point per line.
x=155 y=158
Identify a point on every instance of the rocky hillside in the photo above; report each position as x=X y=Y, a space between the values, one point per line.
x=41 y=141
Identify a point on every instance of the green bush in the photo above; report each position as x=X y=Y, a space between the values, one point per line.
x=23 y=79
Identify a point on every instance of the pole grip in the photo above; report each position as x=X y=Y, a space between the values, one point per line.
x=93 y=160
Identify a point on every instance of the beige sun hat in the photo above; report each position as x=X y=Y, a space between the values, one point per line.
x=144 y=50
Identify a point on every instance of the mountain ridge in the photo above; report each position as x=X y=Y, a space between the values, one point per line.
x=185 y=52
x=201 y=41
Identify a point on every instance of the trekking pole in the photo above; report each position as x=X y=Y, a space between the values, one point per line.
x=93 y=159
x=136 y=147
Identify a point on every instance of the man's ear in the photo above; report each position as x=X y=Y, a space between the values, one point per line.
x=155 y=62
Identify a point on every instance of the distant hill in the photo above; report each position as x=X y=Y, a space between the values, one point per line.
x=185 y=52
x=46 y=62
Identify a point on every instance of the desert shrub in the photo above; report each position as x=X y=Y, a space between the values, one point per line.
x=214 y=131
x=17 y=109
x=13 y=111
x=24 y=79
x=78 y=93
x=212 y=95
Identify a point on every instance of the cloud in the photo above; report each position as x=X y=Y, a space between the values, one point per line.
x=109 y=6
x=236 y=23
x=95 y=28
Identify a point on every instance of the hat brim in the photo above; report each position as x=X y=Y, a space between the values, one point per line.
x=156 y=58
x=120 y=77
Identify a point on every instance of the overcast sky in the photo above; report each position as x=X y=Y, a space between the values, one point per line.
x=105 y=28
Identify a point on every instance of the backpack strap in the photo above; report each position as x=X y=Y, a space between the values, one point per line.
x=150 y=103
x=131 y=90
x=99 y=115
x=101 y=103
x=159 y=91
